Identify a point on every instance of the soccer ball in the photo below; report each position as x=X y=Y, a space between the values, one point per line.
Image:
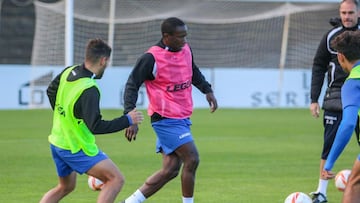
x=341 y=179
x=298 y=197
x=94 y=183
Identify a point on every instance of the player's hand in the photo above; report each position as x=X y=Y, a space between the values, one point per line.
x=130 y=132
x=326 y=175
x=136 y=116
x=212 y=102
x=315 y=109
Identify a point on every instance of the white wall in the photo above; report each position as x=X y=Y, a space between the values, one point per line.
x=24 y=87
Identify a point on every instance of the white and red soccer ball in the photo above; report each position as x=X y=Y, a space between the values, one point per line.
x=298 y=197
x=94 y=183
x=341 y=179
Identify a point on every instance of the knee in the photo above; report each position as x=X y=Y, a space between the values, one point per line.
x=66 y=189
x=120 y=180
x=171 y=173
x=192 y=163
x=117 y=181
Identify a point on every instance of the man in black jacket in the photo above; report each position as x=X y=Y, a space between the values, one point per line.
x=325 y=61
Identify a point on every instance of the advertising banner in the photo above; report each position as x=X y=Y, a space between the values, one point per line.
x=24 y=87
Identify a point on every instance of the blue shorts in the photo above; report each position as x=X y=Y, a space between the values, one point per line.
x=66 y=162
x=171 y=134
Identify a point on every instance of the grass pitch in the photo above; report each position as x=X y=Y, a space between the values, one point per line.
x=247 y=156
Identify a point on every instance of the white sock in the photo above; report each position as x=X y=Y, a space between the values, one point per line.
x=188 y=200
x=322 y=187
x=136 y=197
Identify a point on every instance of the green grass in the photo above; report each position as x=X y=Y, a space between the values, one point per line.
x=247 y=156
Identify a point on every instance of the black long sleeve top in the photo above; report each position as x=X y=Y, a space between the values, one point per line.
x=143 y=70
x=325 y=61
x=87 y=106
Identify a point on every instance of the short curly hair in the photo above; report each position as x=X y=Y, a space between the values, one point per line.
x=348 y=44
x=169 y=25
x=97 y=48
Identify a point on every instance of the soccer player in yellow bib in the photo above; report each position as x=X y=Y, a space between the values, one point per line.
x=74 y=96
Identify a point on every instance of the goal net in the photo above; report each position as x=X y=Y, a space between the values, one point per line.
x=221 y=33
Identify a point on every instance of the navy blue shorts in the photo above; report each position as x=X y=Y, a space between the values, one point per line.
x=171 y=134
x=66 y=162
x=331 y=124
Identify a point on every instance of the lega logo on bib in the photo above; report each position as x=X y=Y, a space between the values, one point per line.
x=178 y=87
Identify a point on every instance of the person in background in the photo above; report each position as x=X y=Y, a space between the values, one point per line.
x=168 y=71
x=325 y=61
x=74 y=96
x=348 y=46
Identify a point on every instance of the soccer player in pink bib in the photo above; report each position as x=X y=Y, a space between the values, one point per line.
x=168 y=71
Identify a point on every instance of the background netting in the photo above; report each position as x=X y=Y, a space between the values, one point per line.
x=221 y=33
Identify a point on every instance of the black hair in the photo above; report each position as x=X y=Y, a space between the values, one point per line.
x=169 y=25
x=348 y=44
x=97 y=48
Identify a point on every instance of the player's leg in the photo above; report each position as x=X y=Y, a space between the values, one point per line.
x=172 y=134
x=65 y=186
x=67 y=179
x=113 y=180
x=170 y=169
x=190 y=157
x=183 y=145
x=352 y=189
x=323 y=183
x=187 y=154
x=331 y=122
